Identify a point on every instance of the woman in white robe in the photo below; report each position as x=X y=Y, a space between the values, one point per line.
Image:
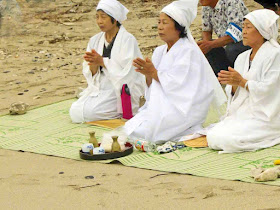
x=181 y=83
x=107 y=66
x=252 y=121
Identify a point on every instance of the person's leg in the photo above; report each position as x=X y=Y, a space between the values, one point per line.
x=243 y=133
x=233 y=50
x=101 y=107
x=218 y=59
x=75 y=112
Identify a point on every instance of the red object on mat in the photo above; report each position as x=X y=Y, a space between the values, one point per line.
x=126 y=102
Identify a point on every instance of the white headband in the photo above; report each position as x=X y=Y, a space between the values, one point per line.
x=113 y=8
x=265 y=21
x=183 y=12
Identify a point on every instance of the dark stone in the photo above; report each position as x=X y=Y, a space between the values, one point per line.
x=89 y=177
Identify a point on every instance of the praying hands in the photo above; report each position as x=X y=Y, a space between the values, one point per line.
x=94 y=59
x=147 y=68
x=231 y=77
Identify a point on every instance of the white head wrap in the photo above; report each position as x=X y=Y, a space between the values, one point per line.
x=265 y=21
x=113 y=8
x=184 y=12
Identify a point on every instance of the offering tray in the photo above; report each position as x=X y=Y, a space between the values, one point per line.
x=112 y=155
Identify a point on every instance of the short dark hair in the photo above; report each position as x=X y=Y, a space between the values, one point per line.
x=272 y=4
x=112 y=19
x=179 y=28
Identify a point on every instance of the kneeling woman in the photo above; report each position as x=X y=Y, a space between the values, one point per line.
x=107 y=66
x=181 y=83
x=253 y=118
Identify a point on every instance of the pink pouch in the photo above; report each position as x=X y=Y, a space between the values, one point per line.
x=126 y=102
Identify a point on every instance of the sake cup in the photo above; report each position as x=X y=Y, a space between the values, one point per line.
x=98 y=150
x=87 y=147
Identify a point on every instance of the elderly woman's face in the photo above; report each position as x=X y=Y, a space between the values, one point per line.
x=251 y=36
x=166 y=29
x=104 y=21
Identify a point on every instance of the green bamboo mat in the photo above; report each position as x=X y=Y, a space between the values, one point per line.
x=48 y=130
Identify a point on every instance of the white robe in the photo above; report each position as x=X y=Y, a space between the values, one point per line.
x=178 y=104
x=252 y=121
x=101 y=99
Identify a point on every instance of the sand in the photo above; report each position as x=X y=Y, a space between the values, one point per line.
x=41 y=48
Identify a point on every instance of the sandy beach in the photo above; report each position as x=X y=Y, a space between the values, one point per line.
x=41 y=47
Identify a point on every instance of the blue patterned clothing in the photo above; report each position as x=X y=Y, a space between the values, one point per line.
x=225 y=12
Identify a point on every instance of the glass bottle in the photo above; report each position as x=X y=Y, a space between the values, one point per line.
x=145 y=146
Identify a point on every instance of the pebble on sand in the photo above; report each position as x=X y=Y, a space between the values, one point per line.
x=89 y=177
x=36 y=97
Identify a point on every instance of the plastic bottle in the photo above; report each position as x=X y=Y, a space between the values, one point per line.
x=145 y=146
x=126 y=102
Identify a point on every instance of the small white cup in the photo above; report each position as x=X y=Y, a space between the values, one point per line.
x=98 y=150
x=87 y=147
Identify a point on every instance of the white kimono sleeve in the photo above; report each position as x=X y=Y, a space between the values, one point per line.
x=92 y=81
x=263 y=99
x=184 y=84
x=86 y=71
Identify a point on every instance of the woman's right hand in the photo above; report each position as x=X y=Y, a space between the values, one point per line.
x=92 y=66
x=93 y=58
x=231 y=77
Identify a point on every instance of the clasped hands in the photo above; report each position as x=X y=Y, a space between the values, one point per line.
x=145 y=67
x=94 y=59
x=231 y=77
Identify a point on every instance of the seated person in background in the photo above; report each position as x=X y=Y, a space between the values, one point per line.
x=252 y=121
x=224 y=17
x=107 y=66
x=181 y=83
x=270 y=4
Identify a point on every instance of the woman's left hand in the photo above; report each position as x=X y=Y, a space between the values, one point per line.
x=231 y=77
x=145 y=67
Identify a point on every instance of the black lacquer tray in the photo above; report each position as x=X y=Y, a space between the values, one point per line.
x=112 y=155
